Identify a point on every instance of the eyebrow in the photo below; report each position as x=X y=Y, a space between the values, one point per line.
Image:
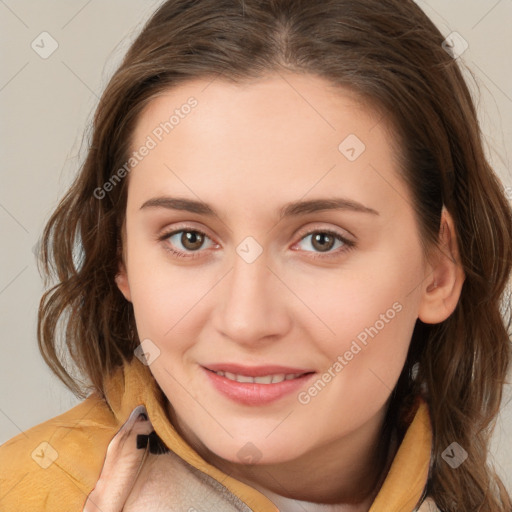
x=292 y=209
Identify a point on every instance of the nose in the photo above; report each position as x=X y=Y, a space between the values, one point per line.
x=254 y=305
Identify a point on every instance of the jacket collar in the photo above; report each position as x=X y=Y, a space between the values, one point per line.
x=133 y=384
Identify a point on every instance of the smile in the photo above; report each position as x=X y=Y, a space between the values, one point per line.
x=265 y=379
x=269 y=385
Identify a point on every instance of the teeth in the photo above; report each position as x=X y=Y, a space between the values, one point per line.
x=264 y=379
x=244 y=378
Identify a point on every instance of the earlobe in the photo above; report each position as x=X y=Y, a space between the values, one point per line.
x=122 y=282
x=442 y=286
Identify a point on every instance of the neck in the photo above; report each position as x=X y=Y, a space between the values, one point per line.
x=348 y=482
x=344 y=475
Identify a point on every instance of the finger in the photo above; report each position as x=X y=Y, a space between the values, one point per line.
x=122 y=461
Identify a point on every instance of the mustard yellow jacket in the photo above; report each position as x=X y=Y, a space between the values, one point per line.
x=123 y=454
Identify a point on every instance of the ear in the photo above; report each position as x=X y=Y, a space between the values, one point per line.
x=122 y=281
x=442 y=288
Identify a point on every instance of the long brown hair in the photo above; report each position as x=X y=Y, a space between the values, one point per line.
x=391 y=54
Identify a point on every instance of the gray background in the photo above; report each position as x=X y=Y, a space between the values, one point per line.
x=45 y=105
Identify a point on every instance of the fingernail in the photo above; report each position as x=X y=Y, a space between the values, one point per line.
x=138 y=414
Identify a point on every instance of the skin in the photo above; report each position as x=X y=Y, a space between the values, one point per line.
x=247 y=150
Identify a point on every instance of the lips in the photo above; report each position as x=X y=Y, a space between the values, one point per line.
x=256 y=371
x=256 y=385
x=265 y=379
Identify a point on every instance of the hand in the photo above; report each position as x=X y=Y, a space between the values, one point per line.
x=122 y=464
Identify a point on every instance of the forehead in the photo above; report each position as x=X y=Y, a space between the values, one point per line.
x=282 y=135
x=307 y=105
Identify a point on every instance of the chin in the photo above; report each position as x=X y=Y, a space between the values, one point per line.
x=255 y=453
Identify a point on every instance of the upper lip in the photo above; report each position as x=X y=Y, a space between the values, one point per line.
x=255 y=371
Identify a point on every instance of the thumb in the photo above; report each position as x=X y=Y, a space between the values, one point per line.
x=122 y=462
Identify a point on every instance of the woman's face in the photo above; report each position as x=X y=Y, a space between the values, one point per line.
x=267 y=275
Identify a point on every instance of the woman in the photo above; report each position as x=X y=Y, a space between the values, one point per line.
x=231 y=364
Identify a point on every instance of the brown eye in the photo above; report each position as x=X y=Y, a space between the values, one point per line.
x=192 y=240
x=325 y=244
x=323 y=241
x=187 y=242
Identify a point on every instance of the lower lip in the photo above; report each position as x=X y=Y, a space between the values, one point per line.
x=250 y=393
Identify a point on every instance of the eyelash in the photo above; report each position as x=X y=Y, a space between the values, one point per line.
x=347 y=244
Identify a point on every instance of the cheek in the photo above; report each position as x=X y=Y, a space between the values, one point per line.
x=370 y=333
x=371 y=312
x=162 y=296
x=376 y=294
x=363 y=362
